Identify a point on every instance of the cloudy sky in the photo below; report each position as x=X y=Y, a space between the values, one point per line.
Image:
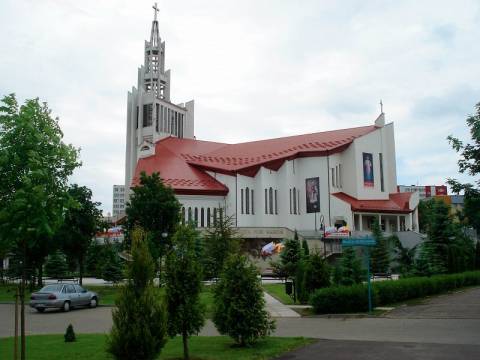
x=256 y=69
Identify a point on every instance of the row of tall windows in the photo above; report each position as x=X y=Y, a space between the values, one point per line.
x=168 y=120
x=294 y=201
x=336 y=173
x=271 y=201
x=247 y=203
x=201 y=217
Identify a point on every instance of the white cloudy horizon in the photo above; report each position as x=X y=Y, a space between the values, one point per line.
x=256 y=70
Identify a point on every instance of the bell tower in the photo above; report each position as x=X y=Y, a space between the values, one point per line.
x=151 y=114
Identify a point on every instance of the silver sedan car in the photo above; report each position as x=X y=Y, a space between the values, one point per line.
x=62 y=296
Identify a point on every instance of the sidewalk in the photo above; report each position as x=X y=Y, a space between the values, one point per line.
x=277 y=309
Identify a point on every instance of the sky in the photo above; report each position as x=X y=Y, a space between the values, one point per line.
x=256 y=69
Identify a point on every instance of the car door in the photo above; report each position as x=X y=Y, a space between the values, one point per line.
x=83 y=295
x=72 y=295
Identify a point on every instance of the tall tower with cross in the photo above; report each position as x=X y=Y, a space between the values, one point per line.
x=151 y=114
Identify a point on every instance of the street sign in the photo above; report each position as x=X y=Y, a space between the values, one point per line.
x=366 y=241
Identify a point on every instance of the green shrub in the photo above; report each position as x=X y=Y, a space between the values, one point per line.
x=341 y=299
x=70 y=334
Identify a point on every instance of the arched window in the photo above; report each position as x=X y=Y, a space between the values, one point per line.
x=189 y=214
x=202 y=215
x=295 y=201
x=208 y=217
x=298 y=202
x=266 y=202
x=247 y=200
x=214 y=216
x=196 y=217
x=276 y=203
x=270 y=200
x=183 y=215
x=290 y=200
x=253 y=207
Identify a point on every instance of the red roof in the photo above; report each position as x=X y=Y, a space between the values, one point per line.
x=397 y=203
x=182 y=162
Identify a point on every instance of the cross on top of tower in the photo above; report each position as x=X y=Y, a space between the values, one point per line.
x=381 y=106
x=155 y=10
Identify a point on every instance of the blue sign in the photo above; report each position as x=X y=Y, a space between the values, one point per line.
x=366 y=241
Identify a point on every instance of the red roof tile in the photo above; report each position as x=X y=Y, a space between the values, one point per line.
x=181 y=162
x=397 y=203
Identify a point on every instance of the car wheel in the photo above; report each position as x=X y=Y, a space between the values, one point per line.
x=40 y=310
x=93 y=302
x=66 y=306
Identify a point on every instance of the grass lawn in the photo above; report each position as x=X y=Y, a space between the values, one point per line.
x=92 y=347
x=278 y=292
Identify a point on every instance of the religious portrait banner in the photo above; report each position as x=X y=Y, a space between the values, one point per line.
x=368 y=180
x=312 y=189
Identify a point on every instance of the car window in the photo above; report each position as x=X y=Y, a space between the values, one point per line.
x=52 y=288
x=70 y=289
x=79 y=288
x=64 y=290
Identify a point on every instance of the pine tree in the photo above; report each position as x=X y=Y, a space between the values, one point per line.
x=56 y=265
x=477 y=256
x=139 y=320
x=183 y=287
x=113 y=269
x=380 y=257
x=350 y=270
x=239 y=303
x=70 y=334
x=306 y=250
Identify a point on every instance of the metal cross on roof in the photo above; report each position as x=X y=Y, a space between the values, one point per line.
x=156 y=10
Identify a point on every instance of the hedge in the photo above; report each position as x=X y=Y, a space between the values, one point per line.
x=345 y=299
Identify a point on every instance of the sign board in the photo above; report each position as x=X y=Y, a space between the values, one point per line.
x=359 y=242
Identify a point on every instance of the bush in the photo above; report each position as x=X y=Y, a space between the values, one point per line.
x=70 y=334
x=313 y=273
x=56 y=265
x=341 y=299
x=239 y=303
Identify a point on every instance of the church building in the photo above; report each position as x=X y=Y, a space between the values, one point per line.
x=310 y=183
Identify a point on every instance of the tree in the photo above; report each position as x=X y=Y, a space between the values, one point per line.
x=404 y=257
x=79 y=226
x=313 y=273
x=220 y=242
x=424 y=214
x=56 y=265
x=380 y=257
x=349 y=271
x=35 y=165
x=112 y=269
x=153 y=207
x=290 y=257
x=469 y=163
x=139 y=319
x=305 y=249
x=239 y=303
x=477 y=256
x=183 y=286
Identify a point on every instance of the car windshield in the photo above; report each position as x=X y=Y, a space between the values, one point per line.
x=51 y=288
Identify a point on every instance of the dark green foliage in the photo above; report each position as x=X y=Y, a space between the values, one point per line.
x=183 y=286
x=341 y=299
x=79 y=226
x=56 y=265
x=349 y=271
x=404 y=257
x=239 y=303
x=112 y=268
x=477 y=256
x=70 y=334
x=306 y=250
x=290 y=257
x=379 y=255
x=424 y=213
x=219 y=242
x=313 y=273
x=139 y=320
x=153 y=207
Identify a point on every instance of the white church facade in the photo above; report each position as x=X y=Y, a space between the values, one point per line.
x=270 y=187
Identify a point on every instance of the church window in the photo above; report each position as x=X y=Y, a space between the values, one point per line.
x=333 y=177
x=298 y=202
x=181 y=126
x=270 y=200
x=340 y=182
x=241 y=201
x=336 y=176
x=189 y=215
x=276 y=203
x=202 y=216
x=266 y=201
x=147 y=115
x=253 y=207
x=208 y=217
x=176 y=124
x=221 y=215
x=157 y=111
x=290 y=191
x=215 y=217
x=382 y=181
x=137 y=116
x=196 y=217
x=183 y=215
x=295 y=201
x=168 y=121
x=247 y=200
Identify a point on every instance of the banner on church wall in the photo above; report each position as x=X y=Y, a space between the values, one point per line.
x=312 y=189
x=368 y=180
